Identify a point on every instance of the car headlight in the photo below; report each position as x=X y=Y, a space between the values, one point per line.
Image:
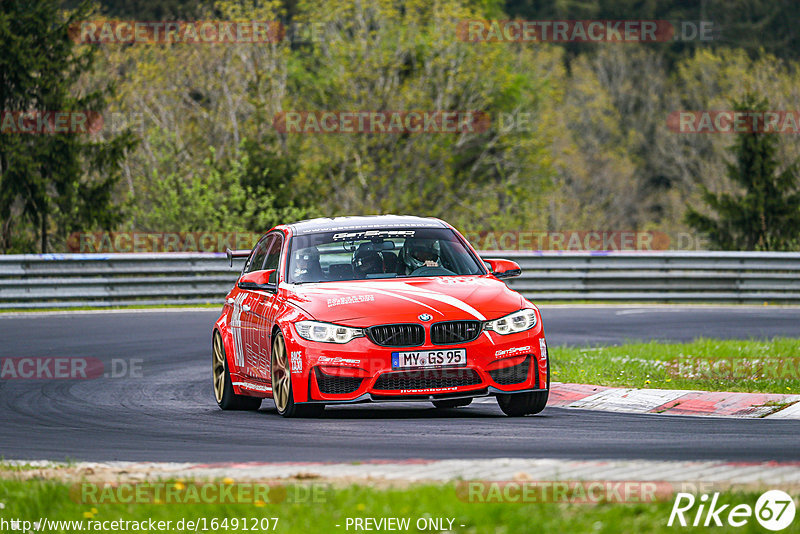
x=327 y=332
x=512 y=323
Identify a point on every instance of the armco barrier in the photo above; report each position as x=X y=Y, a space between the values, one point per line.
x=664 y=276
x=69 y=280
x=105 y=280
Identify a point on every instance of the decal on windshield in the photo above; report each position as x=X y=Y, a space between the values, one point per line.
x=361 y=227
x=370 y=234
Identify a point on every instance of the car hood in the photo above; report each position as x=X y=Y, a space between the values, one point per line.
x=368 y=302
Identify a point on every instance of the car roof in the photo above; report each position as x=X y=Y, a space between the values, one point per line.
x=366 y=222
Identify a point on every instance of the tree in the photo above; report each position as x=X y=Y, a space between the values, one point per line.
x=61 y=179
x=767 y=215
x=384 y=56
x=751 y=25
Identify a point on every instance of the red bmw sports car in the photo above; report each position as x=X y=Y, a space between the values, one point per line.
x=383 y=308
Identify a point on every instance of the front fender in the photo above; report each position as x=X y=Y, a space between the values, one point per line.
x=298 y=362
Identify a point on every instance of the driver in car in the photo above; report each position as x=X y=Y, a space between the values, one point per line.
x=306 y=265
x=419 y=253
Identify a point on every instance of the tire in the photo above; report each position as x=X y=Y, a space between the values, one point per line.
x=282 y=392
x=519 y=404
x=221 y=377
x=455 y=403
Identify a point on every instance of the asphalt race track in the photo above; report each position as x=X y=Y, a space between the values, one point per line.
x=169 y=414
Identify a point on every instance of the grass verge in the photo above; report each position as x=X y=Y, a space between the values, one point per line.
x=35 y=499
x=706 y=364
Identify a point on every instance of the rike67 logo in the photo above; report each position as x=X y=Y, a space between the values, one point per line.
x=774 y=511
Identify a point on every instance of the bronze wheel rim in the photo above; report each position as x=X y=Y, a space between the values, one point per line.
x=281 y=385
x=218 y=367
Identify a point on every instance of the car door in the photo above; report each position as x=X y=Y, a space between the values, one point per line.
x=242 y=331
x=259 y=317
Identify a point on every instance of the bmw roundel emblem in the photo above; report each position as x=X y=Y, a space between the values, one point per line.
x=424 y=317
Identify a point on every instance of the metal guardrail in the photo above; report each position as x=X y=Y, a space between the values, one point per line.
x=107 y=280
x=665 y=276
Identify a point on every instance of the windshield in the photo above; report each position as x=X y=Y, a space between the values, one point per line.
x=392 y=253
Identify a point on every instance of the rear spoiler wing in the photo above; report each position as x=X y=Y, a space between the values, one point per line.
x=236 y=254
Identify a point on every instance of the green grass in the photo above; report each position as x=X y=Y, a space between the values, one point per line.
x=31 y=500
x=706 y=364
x=7 y=467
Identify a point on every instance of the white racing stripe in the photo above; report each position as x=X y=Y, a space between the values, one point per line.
x=401 y=288
x=395 y=295
x=448 y=299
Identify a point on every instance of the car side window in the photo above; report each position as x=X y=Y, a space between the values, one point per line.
x=273 y=257
x=256 y=262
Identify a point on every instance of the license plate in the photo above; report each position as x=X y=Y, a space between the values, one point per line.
x=429 y=358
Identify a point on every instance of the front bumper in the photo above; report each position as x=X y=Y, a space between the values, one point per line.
x=361 y=371
x=368 y=397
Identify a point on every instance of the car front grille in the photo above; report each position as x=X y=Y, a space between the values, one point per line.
x=397 y=335
x=512 y=375
x=427 y=379
x=450 y=332
x=337 y=385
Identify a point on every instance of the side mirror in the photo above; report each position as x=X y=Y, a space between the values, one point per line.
x=504 y=268
x=260 y=280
